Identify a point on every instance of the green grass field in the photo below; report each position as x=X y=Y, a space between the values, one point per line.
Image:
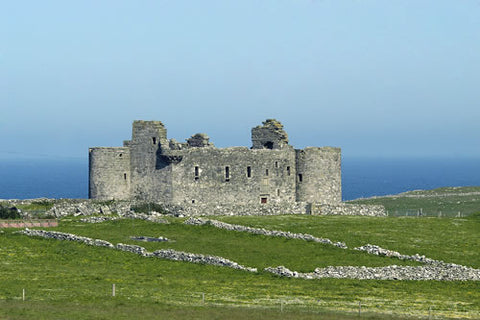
x=448 y=201
x=68 y=280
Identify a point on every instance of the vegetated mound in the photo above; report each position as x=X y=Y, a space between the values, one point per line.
x=440 y=202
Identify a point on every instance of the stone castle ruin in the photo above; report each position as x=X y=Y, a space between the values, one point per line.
x=271 y=177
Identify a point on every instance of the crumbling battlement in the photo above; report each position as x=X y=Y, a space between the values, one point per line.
x=196 y=173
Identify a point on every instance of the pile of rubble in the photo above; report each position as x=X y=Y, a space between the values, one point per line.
x=150 y=239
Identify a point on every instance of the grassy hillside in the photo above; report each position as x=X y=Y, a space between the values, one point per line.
x=72 y=280
x=449 y=201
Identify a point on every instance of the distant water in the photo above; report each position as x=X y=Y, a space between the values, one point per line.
x=26 y=179
x=378 y=177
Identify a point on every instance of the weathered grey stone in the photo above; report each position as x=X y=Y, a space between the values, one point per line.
x=199 y=140
x=201 y=179
x=262 y=231
x=394 y=272
x=150 y=239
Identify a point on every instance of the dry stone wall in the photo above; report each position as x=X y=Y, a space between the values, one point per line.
x=168 y=254
x=262 y=231
x=346 y=209
x=439 y=273
x=432 y=270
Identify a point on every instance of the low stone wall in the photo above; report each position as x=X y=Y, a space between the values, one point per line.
x=123 y=208
x=152 y=217
x=265 y=209
x=262 y=231
x=168 y=254
x=440 y=272
x=378 y=251
x=28 y=223
x=171 y=254
x=434 y=270
x=67 y=236
x=347 y=209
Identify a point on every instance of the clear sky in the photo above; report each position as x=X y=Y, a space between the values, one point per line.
x=396 y=78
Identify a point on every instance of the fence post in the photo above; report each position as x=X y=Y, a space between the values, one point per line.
x=359 y=308
x=113 y=290
x=203 y=297
x=23 y=294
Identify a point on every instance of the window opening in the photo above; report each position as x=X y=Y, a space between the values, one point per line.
x=227 y=173
x=263 y=200
x=197 y=173
x=154 y=140
x=288 y=170
x=268 y=145
x=249 y=172
x=278 y=192
x=276 y=164
x=266 y=172
x=300 y=177
x=124 y=176
x=193 y=201
x=120 y=155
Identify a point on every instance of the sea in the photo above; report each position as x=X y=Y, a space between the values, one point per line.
x=361 y=177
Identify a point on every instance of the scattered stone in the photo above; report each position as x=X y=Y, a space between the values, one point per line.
x=150 y=239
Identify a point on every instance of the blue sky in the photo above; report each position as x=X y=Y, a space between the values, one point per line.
x=376 y=78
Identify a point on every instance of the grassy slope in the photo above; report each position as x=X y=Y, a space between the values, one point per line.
x=447 y=201
x=70 y=280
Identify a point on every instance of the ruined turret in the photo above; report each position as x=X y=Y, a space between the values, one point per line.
x=270 y=135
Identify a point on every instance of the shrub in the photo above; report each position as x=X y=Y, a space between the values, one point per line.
x=9 y=213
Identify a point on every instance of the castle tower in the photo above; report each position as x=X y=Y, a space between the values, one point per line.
x=319 y=177
x=149 y=138
x=109 y=173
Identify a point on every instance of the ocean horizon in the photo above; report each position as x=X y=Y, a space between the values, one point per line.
x=361 y=177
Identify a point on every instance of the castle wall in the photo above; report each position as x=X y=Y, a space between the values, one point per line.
x=234 y=175
x=197 y=175
x=151 y=177
x=319 y=177
x=109 y=174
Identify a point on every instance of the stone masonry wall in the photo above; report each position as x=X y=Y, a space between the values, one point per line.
x=109 y=173
x=201 y=177
x=319 y=177
x=151 y=175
